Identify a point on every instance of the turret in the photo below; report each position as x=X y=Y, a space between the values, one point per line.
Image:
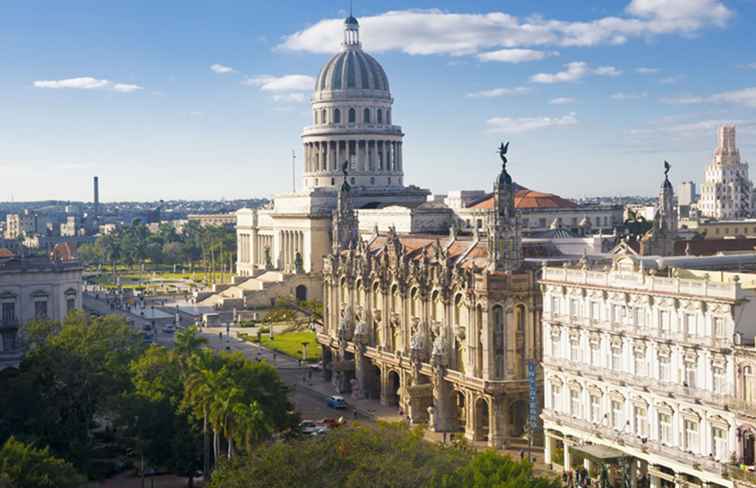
x=504 y=239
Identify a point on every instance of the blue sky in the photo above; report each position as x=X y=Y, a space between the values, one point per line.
x=592 y=95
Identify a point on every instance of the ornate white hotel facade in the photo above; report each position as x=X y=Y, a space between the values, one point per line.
x=726 y=192
x=643 y=367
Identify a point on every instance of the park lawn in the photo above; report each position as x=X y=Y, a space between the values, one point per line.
x=290 y=343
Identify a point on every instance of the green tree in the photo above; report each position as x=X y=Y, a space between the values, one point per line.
x=24 y=466
x=490 y=470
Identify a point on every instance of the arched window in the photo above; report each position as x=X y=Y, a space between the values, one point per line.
x=366 y=115
x=352 y=116
x=380 y=116
x=323 y=118
x=337 y=116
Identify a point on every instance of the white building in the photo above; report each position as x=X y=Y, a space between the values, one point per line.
x=34 y=288
x=352 y=124
x=727 y=189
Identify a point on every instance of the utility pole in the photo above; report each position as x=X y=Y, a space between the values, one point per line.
x=293 y=171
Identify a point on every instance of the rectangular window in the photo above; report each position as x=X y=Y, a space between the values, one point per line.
x=575 y=403
x=555 y=346
x=719 y=327
x=574 y=351
x=639 y=317
x=40 y=309
x=665 y=322
x=8 y=312
x=595 y=311
x=690 y=324
x=641 y=422
x=556 y=391
x=690 y=375
x=617 y=359
x=665 y=369
x=691 y=436
x=595 y=409
x=719 y=443
x=640 y=363
x=719 y=384
x=595 y=354
x=618 y=422
x=554 y=306
x=665 y=428
x=574 y=309
x=618 y=314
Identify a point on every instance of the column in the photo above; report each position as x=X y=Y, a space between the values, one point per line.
x=654 y=481
x=547 y=449
x=401 y=163
x=633 y=473
x=339 y=159
x=567 y=457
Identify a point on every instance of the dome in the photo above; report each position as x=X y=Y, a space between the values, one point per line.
x=352 y=69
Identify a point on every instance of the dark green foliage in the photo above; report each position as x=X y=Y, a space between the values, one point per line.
x=23 y=466
x=490 y=470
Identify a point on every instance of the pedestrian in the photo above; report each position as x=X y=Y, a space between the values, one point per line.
x=309 y=374
x=354 y=413
x=522 y=454
x=220 y=336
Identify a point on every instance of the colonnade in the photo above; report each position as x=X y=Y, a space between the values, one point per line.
x=261 y=243
x=290 y=243
x=364 y=155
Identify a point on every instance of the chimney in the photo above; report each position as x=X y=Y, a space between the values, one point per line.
x=96 y=210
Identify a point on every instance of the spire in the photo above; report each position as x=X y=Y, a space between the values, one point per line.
x=345 y=227
x=660 y=239
x=504 y=240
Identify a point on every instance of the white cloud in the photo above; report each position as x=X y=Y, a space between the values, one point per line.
x=607 y=71
x=747 y=66
x=436 y=31
x=680 y=14
x=499 y=92
x=628 y=96
x=671 y=80
x=291 y=98
x=515 y=55
x=87 y=83
x=561 y=100
x=572 y=72
x=286 y=83
x=746 y=96
x=646 y=71
x=221 y=69
x=509 y=125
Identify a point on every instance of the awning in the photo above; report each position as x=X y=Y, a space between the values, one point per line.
x=604 y=454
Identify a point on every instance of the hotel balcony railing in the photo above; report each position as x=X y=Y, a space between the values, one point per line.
x=702 y=463
x=9 y=323
x=643 y=382
x=635 y=331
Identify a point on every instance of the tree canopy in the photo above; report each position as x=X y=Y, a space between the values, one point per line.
x=24 y=466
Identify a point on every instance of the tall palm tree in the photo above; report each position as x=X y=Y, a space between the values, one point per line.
x=253 y=425
x=222 y=416
x=198 y=395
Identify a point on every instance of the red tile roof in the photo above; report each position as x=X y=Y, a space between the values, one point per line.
x=525 y=199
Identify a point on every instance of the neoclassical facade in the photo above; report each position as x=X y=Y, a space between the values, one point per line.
x=352 y=126
x=33 y=288
x=443 y=328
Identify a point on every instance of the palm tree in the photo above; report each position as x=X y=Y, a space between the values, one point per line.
x=198 y=395
x=222 y=417
x=188 y=341
x=253 y=425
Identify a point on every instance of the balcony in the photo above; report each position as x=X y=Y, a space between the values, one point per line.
x=9 y=323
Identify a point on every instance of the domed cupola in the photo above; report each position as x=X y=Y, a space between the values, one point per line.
x=352 y=122
x=352 y=71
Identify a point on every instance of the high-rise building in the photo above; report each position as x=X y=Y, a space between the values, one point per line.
x=686 y=194
x=727 y=188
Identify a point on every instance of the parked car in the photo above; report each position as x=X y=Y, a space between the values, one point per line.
x=317 y=366
x=331 y=422
x=308 y=427
x=169 y=329
x=335 y=401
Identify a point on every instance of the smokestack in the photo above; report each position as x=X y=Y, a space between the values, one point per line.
x=96 y=197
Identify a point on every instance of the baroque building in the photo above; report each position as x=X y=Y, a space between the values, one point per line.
x=443 y=328
x=727 y=189
x=639 y=364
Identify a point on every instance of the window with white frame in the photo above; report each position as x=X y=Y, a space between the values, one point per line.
x=555 y=306
x=640 y=421
x=595 y=311
x=616 y=358
x=719 y=443
x=718 y=376
x=575 y=405
x=639 y=316
x=595 y=354
x=665 y=428
x=556 y=392
x=574 y=349
x=719 y=327
x=690 y=428
x=618 y=314
x=40 y=309
x=618 y=421
x=555 y=343
x=665 y=369
x=595 y=403
x=665 y=321
x=690 y=324
x=639 y=363
x=690 y=374
x=575 y=308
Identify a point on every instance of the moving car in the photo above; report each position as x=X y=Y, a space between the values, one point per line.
x=336 y=401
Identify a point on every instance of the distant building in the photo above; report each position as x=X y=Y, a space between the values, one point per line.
x=727 y=188
x=39 y=287
x=219 y=220
x=21 y=224
x=686 y=193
